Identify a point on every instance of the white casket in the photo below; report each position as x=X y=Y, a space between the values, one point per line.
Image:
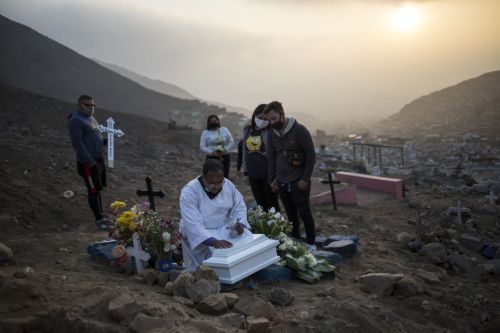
x=243 y=259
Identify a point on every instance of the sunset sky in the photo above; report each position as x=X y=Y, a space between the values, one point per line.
x=329 y=59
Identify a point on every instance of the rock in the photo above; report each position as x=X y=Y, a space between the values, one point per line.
x=201 y=289
x=24 y=273
x=321 y=241
x=173 y=274
x=379 y=283
x=258 y=325
x=481 y=188
x=150 y=276
x=471 y=242
x=143 y=323
x=184 y=301
x=478 y=273
x=18 y=287
x=280 y=297
x=460 y=263
x=273 y=273
x=346 y=248
x=334 y=238
x=404 y=238
x=428 y=277
x=6 y=253
x=408 y=287
x=253 y=306
x=169 y=288
x=122 y=307
x=231 y=299
x=213 y=304
x=435 y=252
x=205 y=273
x=162 y=279
x=333 y=258
x=181 y=282
x=493 y=266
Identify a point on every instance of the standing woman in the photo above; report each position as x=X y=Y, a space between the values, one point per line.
x=255 y=143
x=216 y=141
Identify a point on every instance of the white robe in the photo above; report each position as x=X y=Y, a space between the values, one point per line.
x=202 y=218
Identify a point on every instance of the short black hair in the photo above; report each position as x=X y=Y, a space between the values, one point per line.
x=84 y=98
x=210 y=117
x=258 y=110
x=212 y=165
x=274 y=106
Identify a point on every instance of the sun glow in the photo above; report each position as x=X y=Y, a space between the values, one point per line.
x=406 y=19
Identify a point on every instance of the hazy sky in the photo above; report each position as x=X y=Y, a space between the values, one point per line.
x=329 y=59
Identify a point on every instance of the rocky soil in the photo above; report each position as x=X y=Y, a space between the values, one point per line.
x=51 y=285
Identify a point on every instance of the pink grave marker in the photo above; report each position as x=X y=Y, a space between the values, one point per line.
x=382 y=184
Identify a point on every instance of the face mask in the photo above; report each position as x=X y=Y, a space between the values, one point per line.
x=278 y=125
x=213 y=125
x=261 y=123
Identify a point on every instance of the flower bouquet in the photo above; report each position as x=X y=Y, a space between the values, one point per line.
x=293 y=254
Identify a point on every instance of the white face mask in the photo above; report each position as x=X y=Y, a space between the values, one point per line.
x=261 y=123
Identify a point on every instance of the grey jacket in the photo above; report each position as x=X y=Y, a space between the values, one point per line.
x=85 y=138
x=295 y=143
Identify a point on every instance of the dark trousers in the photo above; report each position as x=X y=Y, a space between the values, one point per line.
x=263 y=194
x=296 y=203
x=226 y=163
x=95 y=181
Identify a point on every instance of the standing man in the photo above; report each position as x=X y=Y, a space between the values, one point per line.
x=291 y=159
x=88 y=144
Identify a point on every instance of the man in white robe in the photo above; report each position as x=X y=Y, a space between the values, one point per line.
x=213 y=215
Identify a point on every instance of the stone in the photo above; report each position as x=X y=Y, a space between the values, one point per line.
x=478 y=273
x=162 y=279
x=333 y=258
x=206 y=273
x=150 y=276
x=213 y=304
x=253 y=306
x=244 y=258
x=122 y=307
x=14 y=288
x=334 y=238
x=258 y=325
x=481 y=188
x=201 y=289
x=493 y=266
x=231 y=299
x=404 y=238
x=173 y=274
x=169 y=288
x=381 y=284
x=6 y=253
x=428 y=277
x=435 y=252
x=346 y=248
x=184 y=301
x=281 y=297
x=408 y=287
x=321 y=241
x=183 y=280
x=460 y=263
x=273 y=273
x=471 y=242
x=143 y=323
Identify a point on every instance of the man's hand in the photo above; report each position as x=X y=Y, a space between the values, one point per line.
x=222 y=244
x=274 y=186
x=239 y=228
x=302 y=185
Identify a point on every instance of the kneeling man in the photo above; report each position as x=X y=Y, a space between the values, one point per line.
x=212 y=213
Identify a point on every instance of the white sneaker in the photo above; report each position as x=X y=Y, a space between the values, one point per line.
x=311 y=247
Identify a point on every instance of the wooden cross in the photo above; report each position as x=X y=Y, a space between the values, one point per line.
x=138 y=254
x=111 y=139
x=330 y=181
x=150 y=193
x=459 y=211
x=493 y=198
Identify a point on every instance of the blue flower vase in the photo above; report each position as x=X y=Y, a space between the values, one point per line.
x=165 y=265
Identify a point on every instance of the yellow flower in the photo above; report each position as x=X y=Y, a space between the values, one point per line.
x=118 y=205
x=126 y=221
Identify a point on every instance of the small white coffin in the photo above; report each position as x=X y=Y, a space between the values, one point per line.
x=243 y=259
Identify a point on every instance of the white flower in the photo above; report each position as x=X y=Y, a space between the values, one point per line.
x=269 y=222
x=173 y=247
x=310 y=260
x=277 y=215
x=301 y=262
x=166 y=236
x=272 y=210
x=282 y=247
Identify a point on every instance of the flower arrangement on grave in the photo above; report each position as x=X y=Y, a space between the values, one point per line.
x=293 y=254
x=219 y=143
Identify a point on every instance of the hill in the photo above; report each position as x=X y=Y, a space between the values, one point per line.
x=472 y=106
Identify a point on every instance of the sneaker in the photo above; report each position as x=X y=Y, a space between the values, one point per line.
x=103 y=224
x=311 y=247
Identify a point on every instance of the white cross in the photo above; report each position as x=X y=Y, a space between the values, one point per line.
x=111 y=142
x=493 y=198
x=458 y=210
x=137 y=252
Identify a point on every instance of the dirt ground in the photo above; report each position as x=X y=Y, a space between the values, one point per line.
x=69 y=292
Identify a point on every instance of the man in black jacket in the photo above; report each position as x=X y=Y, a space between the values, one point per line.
x=291 y=159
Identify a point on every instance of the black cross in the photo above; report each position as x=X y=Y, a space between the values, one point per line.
x=331 y=182
x=150 y=193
